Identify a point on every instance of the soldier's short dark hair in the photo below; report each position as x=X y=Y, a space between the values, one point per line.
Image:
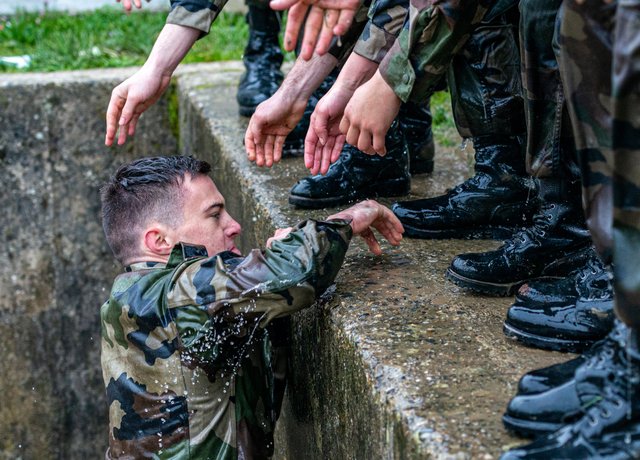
x=142 y=191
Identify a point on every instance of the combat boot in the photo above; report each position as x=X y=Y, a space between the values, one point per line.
x=556 y=244
x=609 y=396
x=415 y=123
x=547 y=378
x=570 y=322
x=262 y=60
x=356 y=176
x=491 y=204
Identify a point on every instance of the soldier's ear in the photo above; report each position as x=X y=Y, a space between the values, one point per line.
x=158 y=241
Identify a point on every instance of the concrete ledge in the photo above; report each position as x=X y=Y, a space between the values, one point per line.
x=398 y=363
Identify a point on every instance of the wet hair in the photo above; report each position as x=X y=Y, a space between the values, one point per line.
x=143 y=191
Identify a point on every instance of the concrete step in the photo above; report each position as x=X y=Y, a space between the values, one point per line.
x=398 y=363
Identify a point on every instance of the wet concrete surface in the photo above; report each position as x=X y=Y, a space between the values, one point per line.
x=422 y=366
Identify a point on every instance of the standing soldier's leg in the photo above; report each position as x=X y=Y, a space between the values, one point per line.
x=608 y=385
x=485 y=91
x=557 y=242
x=262 y=57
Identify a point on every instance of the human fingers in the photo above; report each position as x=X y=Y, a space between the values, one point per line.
x=138 y=3
x=345 y=19
x=282 y=4
x=326 y=156
x=295 y=20
x=379 y=145
x=249 y=144
x=337 y=147
x=364 y=142
x=268 y=150
x=277 y=148
x=113 y=115
x=133 y=123
x=353 y=134
x=369 y=238
x=310 y=145
x=326 y=34
x=312 y=28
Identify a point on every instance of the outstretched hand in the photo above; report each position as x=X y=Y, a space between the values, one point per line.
x=127 y=4
x=369 y=115
x=269 y=126
x=322 y=20
x=370 y=214
x=129 y=99
x=324 y=141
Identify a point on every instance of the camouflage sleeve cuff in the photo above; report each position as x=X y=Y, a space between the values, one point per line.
x=374 y=43
x=396 y=69
x=200 y=19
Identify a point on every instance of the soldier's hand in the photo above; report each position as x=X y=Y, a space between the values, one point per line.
x=129 y=99
x=369 y=115
x=127 y=4
x=269 y=126
x=324 y=141
x=322 y=20
x=279 y=234
x=370 y=214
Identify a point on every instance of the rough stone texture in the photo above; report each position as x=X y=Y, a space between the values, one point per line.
x=395 y=363
x=56 y=265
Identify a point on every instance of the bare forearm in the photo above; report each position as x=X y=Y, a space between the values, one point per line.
x=305 y=76
x=356 y=71
x=173 y=43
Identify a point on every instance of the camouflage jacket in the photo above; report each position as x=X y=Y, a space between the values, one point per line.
x=433 y=31
x=185 y=354
x=198 y=14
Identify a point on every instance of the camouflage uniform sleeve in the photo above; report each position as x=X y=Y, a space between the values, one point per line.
x=198 y=14
x=433 y=31
x=265 y=285
x=386 y=18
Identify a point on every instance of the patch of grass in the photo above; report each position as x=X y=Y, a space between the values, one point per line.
x=107 y=38
x=443 y=122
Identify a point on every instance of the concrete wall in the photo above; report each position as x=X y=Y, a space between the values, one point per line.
x=56 y=268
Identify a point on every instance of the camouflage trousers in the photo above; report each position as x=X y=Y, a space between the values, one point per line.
x=600 y=68
x=550 y=144
x=484 y=80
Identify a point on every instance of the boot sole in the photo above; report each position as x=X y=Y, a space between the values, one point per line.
x=421 y=167
x=484 y=287
x=547 y=343
x=528 y=428
x=476 y=233
x=377 y=189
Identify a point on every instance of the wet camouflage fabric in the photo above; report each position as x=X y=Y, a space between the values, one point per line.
x=484 y=81
x=433 y=32
x=550 y=143
x=186 y=359
x=386 y=18
x=600 y=68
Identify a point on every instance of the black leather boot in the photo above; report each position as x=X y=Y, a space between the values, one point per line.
x=262 y=60
x=608 y=421
x=415 y=122
x=556 y=244
x=491 y=204
x=564 y=321
x=356 y=176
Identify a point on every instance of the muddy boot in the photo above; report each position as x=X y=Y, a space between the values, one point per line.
x=356 y=176
x=491 y=204
x=606 y=398
x=556 y=244
x=552 y=317
x=415 y=122
x=262 y=60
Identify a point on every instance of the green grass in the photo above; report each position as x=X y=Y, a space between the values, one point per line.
x=107 y=38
